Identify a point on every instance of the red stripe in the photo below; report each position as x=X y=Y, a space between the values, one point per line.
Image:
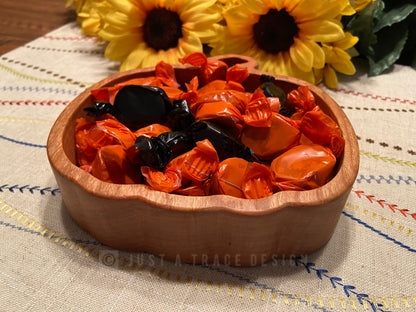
x=69 y=38
x=373 y=96
x=382 y=203
x=31 y=102
x=376 y=97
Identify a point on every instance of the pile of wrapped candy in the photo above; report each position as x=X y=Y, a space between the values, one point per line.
x=208 y=136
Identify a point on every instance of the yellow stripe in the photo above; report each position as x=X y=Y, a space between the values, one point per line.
x=24 y=76
x=14 y=213
x=26 y=120
x=241 y=291
x=388 y=160
x=93 y=252
x=383 y=220
x=209 y=285
x=51 y=234
x=2 y=207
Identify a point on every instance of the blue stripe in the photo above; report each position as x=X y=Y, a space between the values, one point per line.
x=379 y=232
x=21 y=142
x=337 y=282
x=80 y=241
x=389 y=180
x=31 y=189
x=261 y=285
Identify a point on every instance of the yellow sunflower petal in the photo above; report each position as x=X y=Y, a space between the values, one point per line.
x=288 y=5
x=256 y=6
x=343 y=62
x=240 y=21
x=295 y=71
x=346 y=68
x=360 y=5
x=151 y=60
x=308 y=10
x=90 y=26
x=119 y=19
x=348 y=10
x=301 y=55
x=321 y=30
x=145 y=5
x=330 y=77
x=275 y=65
x=189 y=43
x=135 y=58
x=126 y=7
x=109 y=33
x=240 y=45
x=319 y=75
x=202 y=7
x=118 y=50
x=318 y=54
x=347 y=42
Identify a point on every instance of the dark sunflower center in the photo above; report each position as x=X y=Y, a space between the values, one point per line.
x=274 y=32
x=162 y=29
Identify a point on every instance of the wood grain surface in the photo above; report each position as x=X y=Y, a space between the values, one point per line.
x=202 y=229
x=24 y=20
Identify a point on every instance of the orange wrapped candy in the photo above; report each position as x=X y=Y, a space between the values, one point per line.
x=212 y=70
x=218 y=85
x=112 y=165
x=223 y=114
x=303 y=167
x=239 y=178
x=197 y=165
x=302 y=98
x=322 y=129
x=257 y=182
x=258 y=111
x=167 y=181
x=268 y=143
x=164 y=76
x=194 y=189
x=237 y=73
x=152 y=130
x=90 y=136
x=237 y=98
x=229 y=176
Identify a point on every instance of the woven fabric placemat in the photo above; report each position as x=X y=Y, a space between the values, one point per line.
x=47 y=263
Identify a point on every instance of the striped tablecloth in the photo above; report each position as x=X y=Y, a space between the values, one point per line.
x=47 y=263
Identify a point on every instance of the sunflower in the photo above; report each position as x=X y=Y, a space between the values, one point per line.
x=140 y=33
x=284 y=36
x=337 y=59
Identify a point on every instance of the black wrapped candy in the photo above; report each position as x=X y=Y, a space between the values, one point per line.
x=156 y=152
x=180 y=117
x=225 y=145
x=136 y=106
x=271 y=90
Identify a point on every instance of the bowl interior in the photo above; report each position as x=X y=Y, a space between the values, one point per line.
x=62 y=155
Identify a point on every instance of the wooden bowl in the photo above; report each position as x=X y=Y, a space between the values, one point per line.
x=192 y=229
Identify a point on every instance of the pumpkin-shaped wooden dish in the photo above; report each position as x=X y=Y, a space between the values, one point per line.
x=195 y=229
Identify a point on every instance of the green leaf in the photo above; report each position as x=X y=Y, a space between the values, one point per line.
x=362 y=25
x=394 y=16
x=389 y=47
x=378 y=9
